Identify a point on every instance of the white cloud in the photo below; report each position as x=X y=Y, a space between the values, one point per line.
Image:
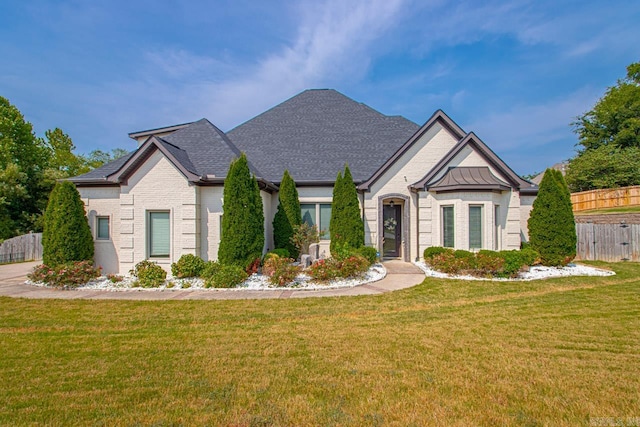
x=332 y=42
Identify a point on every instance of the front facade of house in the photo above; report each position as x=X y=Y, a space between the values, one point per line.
x=419 y=186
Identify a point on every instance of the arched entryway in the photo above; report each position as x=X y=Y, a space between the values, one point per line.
x=393 y=226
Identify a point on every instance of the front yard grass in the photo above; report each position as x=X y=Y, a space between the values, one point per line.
x=552 y=352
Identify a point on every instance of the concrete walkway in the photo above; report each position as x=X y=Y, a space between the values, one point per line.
x=400 y=275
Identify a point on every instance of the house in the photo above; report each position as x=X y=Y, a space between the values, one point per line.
x=419 y=186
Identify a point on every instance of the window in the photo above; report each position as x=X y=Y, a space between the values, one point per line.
x=102 y=228
x=475 y=227
x=317 y=214
x=308 y=212
x=448 y=229
x=159 y=232
x=496 y=220
x=325 y=220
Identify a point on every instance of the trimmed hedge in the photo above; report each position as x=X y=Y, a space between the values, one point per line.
x=485 y=263
x=149 y=274
x=227 y=276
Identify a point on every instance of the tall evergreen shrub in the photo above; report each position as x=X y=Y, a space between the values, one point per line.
x=287 y=216
x=66 y=236
x=552 y=229
x=346 y=227
x=243 y=218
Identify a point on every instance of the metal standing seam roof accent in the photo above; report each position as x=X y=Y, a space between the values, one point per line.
x=478 y=178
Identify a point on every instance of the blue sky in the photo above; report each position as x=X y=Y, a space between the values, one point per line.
x=515 y=72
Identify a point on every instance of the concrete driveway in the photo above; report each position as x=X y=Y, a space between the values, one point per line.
x=400 y=275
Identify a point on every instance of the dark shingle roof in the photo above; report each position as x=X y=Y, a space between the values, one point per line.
x=103 y=171
x=316 y=132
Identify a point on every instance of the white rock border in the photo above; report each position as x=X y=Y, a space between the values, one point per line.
x=535 y=273
x=255 y=282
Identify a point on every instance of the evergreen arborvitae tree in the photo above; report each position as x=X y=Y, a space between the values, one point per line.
x=66 y=236
x=346 y=224
x=287 y=216
x=243 y=217
x=552 y=229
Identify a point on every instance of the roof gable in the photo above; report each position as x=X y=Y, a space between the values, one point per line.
x=439 y=117
x=474 y=178
x=476 y=144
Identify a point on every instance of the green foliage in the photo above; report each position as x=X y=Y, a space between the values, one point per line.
x=369 y=253
x=303 y=236
x=67 y=236
x=243 y=220
x=287 y=216
x=552 y=231
x=227 y=276
x=432 y=251
x=485 y=263
x=149 y=274
x=346 y=224
x=210 y=269
x=447 y=262
x=188 y=265
x=280 y=270
x=610 y=138
x=67 y=275
x=282 y=253
x=23 y=158
x=332 y=268
x=604 y=167
x=97 y=158
x=489 y=264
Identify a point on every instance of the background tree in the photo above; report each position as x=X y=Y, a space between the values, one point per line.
x=23 y=158
x=66 y=236
x=609 y=137
x=243 y=218
x=287 y=216
x=552 y=229
x=346 y=226
x=97 y=158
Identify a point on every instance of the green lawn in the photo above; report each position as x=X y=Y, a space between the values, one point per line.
x=604 y=211
x=552 y=352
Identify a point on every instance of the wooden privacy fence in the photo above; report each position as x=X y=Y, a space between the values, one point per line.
x=606 y=198
x=27 y=247
x=608 y=242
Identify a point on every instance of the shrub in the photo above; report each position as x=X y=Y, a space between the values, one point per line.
x=280 y=270
x=324 y=269
x=67 y=275
x=287 y=216
x=149 y=274
x=369 y=253
x=489 y=263
x=66 y=236
x=432 y=251
x=341 y=250
x=243 y=220
x=188 y=265
x=210 y=269
x=254 y=266
x=281 y=252
x=353 y=266
x=447 y=262
x=227 y=276
x=346 y=224
x=552 y=230
x=303 y=235
x=514 y=262
x=115 y=278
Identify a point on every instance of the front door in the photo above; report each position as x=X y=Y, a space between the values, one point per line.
x=392 y=230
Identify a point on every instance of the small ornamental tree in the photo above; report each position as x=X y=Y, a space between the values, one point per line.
x=66 y=236
x=288 y=215
x=346 y=226
x=552 y=229
x=243 y=218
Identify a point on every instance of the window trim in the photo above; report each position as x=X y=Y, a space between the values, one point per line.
x=98 y=219
x=149 y=234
